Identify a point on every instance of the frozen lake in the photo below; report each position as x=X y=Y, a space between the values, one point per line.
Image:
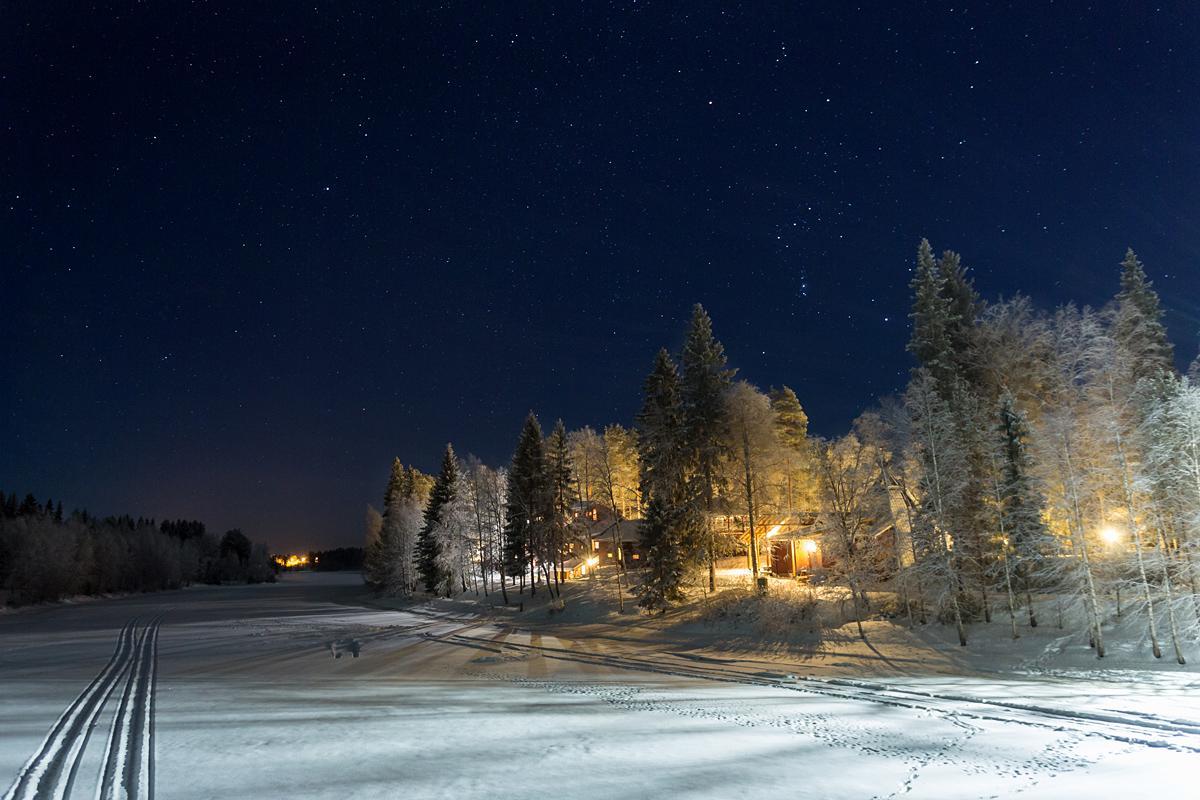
x=297 y=690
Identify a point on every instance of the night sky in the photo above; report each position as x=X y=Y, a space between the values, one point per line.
x=250 y=255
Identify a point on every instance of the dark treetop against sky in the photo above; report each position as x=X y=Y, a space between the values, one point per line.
x=251 y=254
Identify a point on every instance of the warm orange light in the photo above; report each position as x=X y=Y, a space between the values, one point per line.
x=809 y=546
x=1111 y=535
x=291 y=561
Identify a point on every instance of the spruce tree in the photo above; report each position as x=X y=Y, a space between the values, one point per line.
x=377 y=566
x=791 y=426
x=1137 y=325
x=29 y=506
x=661 y=435
x=1020 y=501
x=702 y=390
x=663 y=579
x=562 y=494
x=932 y=319
x=428 y=548
x=669 y=527
x=790 y=420
x=526 y=501
x=963 y=304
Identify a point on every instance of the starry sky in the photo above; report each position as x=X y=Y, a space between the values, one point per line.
x=251 y=252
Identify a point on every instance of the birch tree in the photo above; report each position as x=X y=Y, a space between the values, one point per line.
x=942 y=484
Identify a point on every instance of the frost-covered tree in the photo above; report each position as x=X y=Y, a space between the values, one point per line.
x=853 y=500
x=1137 y=327
x=944 y=474
x=754 y=453
x=484 y=488
x=791 y=424
x=1169 y=440
x=1114 y=417
x=388 y=559
x=1025 y=540
x=454 y=536
x=584 y=446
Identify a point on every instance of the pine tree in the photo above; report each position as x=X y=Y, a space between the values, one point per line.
x=703 y=384
x=1137 y=325
x=526 y=503
x=428 y=547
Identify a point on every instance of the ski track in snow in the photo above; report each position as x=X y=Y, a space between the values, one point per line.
x=128 y=769
x=295 y=710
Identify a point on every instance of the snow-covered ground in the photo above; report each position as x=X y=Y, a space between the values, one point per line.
x=258 y=692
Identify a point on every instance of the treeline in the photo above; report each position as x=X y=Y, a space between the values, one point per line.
x=1041 y=467
x=708 y=455
x=1047 y=464
x=47 y=556
x=337 y=559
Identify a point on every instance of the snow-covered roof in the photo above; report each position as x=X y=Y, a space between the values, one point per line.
x=627 y=530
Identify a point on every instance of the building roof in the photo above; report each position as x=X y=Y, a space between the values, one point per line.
x=628 y=530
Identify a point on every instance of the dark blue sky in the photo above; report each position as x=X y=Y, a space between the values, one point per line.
x=249 y=255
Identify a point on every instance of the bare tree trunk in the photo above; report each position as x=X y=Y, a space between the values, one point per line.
x=857 y=613
x=958 y=620
x=1166 y=568
x=749 y=486
x=708 y=531
x=618 y=557
x=1012 y=606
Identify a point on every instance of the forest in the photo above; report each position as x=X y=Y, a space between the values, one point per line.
x=1041 y=467
x=46 y=556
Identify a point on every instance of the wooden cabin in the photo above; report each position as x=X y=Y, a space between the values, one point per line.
x=617 y=540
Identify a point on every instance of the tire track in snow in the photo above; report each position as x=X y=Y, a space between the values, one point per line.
x=50 y=772
x=128 y=763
